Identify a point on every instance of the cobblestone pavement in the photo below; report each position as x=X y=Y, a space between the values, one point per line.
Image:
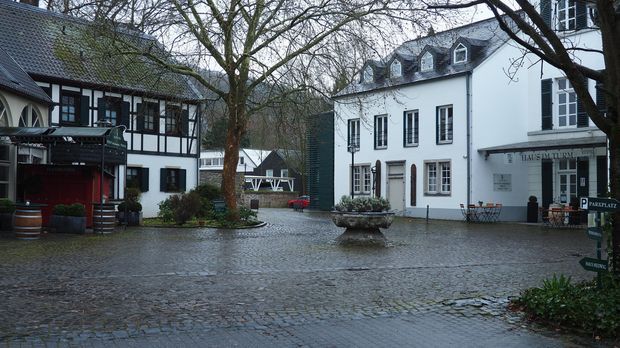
x=287 y=284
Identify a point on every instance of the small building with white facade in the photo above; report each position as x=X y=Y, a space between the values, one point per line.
x=439 y=124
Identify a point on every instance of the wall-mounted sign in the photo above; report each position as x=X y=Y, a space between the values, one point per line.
x=502 y=182
x=509 y=158
x=537 y=156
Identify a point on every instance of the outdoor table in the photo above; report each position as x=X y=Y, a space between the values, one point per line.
x=481 y=213
x=561 y=217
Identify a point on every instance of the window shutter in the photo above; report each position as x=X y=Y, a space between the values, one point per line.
x=185 y=122
x=140 y=117
x=84 y=117
x=545 y=11
x=414 y=176
x=348 y=134
x=376 y=134
x=100 y=109
x=581 y=18
x=385 y=131
x=405 y=129
x=378 y=178
x=144 y=179
x=162 y=179
x=547 y=182
x=601 y=176
x=583 y=173
x=546 y=100
x=182 y=180
x=601 y=102
x=582 y=116
x=437 y=127
x=125 y=114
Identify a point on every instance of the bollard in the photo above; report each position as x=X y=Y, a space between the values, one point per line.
x=427 y=213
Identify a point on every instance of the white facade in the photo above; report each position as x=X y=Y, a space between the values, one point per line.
x=489 y=110
x=249 y=159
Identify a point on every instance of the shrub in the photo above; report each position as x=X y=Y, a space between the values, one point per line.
x=363 y=204
x=184 y=206
x=166 y=213
x=580 y=306
x=6 y=205
x=75 y=209
x=133 y=194
x=130 y=206
x=246 y=214
x=208 y=191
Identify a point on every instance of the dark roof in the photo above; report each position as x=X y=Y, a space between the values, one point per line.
x=14 y=79
x=536 y=145
x=485 y=37
x=60 y=47
x=45 y=135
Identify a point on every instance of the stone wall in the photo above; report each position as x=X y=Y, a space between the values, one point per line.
x=269 y=199
x=214 y=177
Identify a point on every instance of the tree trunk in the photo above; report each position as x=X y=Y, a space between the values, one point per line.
x=614 y=188
x=231 y=158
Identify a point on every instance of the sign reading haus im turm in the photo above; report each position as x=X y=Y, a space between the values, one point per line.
x=600 y=204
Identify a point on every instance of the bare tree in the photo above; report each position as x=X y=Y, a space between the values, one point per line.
x=531 y=27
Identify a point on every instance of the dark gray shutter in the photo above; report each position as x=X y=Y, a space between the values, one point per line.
x=581 y=19
x=348 y=134
x=583 y=177
x=405 y=128
x=602 y=173
x=582 y=115
x=545 y=11
x=378 y=179
x=547 y=182
x=375 y=133
x=140 y=108
x=100 y=109
x=601 y=102
x=182 y=180
x=84 y=117
x=144 y=179
x=413 y=179
x=416 y=127
x=125 y=114
x=546 y=99
x=185 y=122
x=385 y=131
x=163 y=182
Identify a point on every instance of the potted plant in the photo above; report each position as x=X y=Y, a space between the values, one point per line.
x=6 y=214
x=130 y=210
x=69 y=218
x=362 y=217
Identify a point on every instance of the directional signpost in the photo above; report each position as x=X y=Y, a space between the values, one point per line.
x=595 y=231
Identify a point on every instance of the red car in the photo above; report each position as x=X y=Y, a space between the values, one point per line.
x=300 y=202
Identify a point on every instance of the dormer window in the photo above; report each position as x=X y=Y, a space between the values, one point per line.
x=426 y=63
x=460 y=54
x=368 y=74
x=396 y=69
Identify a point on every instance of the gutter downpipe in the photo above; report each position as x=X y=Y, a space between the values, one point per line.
x=469 y=135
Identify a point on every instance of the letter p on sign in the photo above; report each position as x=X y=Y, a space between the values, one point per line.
x=584 y=203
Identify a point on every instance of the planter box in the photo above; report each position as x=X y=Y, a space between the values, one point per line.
x=68 y=224
x=362 y=229
x=6 y=222
x=133 y=218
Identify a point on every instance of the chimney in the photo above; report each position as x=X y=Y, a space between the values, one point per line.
x=34 y=3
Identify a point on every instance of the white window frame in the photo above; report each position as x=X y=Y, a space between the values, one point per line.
x=361 y=179
x=563 y=9
x=427 y=62
x=437 y=177
x=284 y=173
x=460 y=49
x=4 y=115
x=7 y=165
x=31 y=113
x=268 y=172
x=368 y=74
x=567 y=168
x=445 y=124
x=354 y=133
x=396 y=69
x=411 y=128
x=381 y=132
x=563 y=101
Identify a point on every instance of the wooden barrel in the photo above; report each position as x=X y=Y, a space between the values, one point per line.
x=104 y=218
x=27 y=223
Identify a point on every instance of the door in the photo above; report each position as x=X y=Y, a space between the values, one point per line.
x=396 y=186
x=567 y=173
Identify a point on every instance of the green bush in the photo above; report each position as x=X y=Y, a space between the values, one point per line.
x=75 y=209
x=133 y=194
x=182 y=207
x=166 y=213
x=208 y=191
x=580 y=306
x=6 y=205
x=130 y=206
x=362 y=204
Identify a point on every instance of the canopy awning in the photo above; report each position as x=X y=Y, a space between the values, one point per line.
x=542 y=145
x=111 y=136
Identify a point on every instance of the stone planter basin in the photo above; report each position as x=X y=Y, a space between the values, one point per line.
x=362 y=229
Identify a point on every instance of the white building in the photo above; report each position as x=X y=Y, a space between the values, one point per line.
x=249 y=159
x=442 y=125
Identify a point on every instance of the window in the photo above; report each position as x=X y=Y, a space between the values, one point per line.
x=30 y=117
x=368 y=74
x=566 y=15
x=361 y=179
x=460 y=54
x=241 y=160
x=438 y=178
x=149 y=117
x=567 y=172
x=381 y=131
x=567 y=104
x=269 y=172
x=396 y=69
x=354 y=134
x=138 y=177
x=4 y=115
x=426 y=63
x=172 y=180
x=5 y=167
x=69 y=107
x=444 y=124
x=284 y=173
x=411 y=128
x=112 y=110
x=173 y=120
